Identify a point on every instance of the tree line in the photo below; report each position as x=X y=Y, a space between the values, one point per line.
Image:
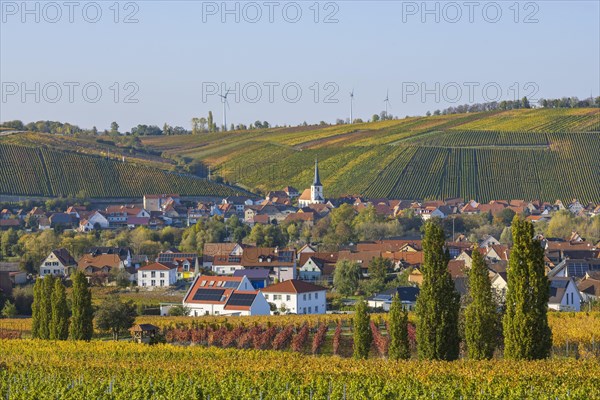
x=524 y=324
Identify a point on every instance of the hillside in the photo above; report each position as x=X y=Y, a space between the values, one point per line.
x=546 y=154
x=31 y=171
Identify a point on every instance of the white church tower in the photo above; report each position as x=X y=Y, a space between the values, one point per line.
x=314 y=195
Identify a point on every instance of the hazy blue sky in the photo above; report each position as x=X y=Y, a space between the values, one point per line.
x=168 y=59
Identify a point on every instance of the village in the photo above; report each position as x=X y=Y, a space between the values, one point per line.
x=240 y=278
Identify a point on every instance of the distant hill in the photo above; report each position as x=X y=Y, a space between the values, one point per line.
x=30 y=171
x=527 y=153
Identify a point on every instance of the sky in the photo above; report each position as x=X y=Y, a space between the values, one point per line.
x=150 y=62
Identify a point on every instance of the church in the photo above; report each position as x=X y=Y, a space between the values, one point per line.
x=314 y=195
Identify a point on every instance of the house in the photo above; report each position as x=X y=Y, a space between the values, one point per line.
x=499 y=286
x=156 y=275
x=317 y=266
x=224 y=295
x=589 y=287
x=314 y=195
x=280 y=263
x=125 y=215
x=297 y=297
x=93 y=221
x=62 y=220
x=226 y=264
x=211 y=250
x=564 y=295
x=97 y=267
x=407 y=295
x=58 y=263
x=416 y=276
x=187 y=264
x=125 y=254
x=13 y=223
x=156 y=202
x=259 y=278
x=291 y=191
x=575 y=268
x=487 y=241
x=362 y=258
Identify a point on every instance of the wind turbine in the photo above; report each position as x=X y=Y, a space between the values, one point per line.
x=387 y=102
x=224 y=109
x=351 y=101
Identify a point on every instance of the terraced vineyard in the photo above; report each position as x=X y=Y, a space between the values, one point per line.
x=544 y=153
x=31 y=171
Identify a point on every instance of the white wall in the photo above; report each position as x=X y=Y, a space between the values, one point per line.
x=145 y=278
x=301 y=303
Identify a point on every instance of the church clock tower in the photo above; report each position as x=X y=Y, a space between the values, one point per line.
x=316 y=190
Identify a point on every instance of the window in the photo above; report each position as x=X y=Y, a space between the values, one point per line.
x=304 y=297
x=153 y=283
x=153 y=274
x=162 y=282
x=304 y=310
x=309 y=310
x=276 y=297
x=266 y=297
x=316 y=309
x=316 y=296
x=144 y=275
x=162 y=274
x=144 y=283
x=288 y=297
x=309 y=296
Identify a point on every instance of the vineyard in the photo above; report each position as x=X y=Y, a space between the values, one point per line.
x=546 y=154
x=44 y=172
x=75 y=370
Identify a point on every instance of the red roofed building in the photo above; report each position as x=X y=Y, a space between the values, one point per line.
x=224 y=295
x=297 y=297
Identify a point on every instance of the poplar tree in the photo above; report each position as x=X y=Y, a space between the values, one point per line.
x=527 y=335
x=59 y=325
x=82 y=314
x=45 y=310
x=362 y=331
x=438 y=302
x=35 y=309
x=481 y=319
x=398 y=331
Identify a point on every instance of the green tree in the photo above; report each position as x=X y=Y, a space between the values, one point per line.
x=211 y=124
x=362 y=331
x=438 y=302
x=378 y=270
x=527 y=335
x=9 y=310
x=345 y=277
x=480 y=316
x=45 y=311
x=59 y=324
x=36 y=308
x=115 y=316
x=398 y=331
x=114 y=128
x=82 y=313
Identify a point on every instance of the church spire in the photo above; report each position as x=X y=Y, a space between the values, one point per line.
x=317 y=181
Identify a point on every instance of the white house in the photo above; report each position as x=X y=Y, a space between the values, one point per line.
x=224 y=295
x=96 y=219
x=564 y=295
x=156 y=275
x=297 y=297
x=499 y=286
x=58 y=263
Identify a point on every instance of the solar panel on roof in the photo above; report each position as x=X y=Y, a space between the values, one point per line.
x=208 y=294
x=241 y=299
x=285 y=256
x=230 y=284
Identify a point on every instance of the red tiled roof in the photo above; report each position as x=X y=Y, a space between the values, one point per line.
x=293 y=286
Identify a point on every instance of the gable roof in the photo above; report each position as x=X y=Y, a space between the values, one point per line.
x=293 y=286
x=99 y=261
x=255 y=273
x=405 y=293
x=64 y=257
x=558 y=287
x=155 y=267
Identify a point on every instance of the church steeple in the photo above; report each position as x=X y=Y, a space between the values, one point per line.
x=317 y=181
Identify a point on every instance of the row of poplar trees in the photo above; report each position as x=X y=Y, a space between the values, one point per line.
x=527 y=335
x=524 y=326
x=56 y=318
